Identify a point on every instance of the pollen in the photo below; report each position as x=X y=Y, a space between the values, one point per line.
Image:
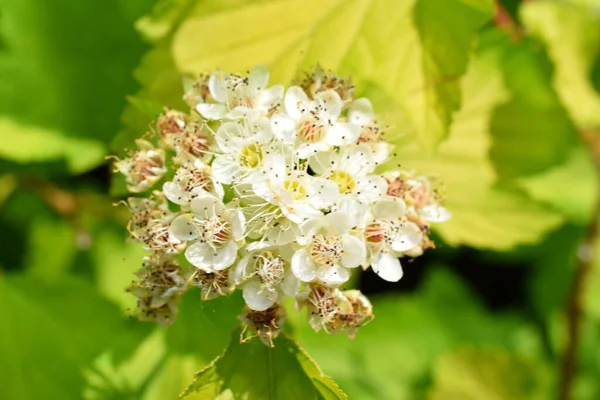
x=297 y=190
x=344 y=180
x=311 y=131
x=251 y=156
x=326 y=249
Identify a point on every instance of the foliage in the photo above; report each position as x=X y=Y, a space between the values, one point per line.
x=494 y=107
x=252 y=370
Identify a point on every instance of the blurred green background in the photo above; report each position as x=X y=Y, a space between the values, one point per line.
x=500 y=100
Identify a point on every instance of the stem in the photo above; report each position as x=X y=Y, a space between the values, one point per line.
x=585 y=260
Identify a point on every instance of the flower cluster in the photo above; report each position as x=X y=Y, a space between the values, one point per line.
x=276 y=193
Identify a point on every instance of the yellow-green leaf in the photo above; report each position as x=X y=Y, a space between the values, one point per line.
x=29 y=144
x=413 y=50
x=577 y=183
x=485 y=215
x=572 y=37
x=487 y=374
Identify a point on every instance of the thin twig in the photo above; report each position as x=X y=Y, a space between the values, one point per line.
x=585 y=260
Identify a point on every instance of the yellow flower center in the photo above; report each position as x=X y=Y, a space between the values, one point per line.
x=295 y=188
x=251 y=156
x=344 y=181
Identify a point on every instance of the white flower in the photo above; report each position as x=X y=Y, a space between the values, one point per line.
x=266 y=222
x=144 y=168
x=417 y=192
x=239 y=96
x=329 y=250
x=434 y=213
x=388 y=235
x=361 y=114
x=313 y=124
x=215 y=230
x=265 y=276
x=350 y=170
x=191 y=180
x=244 y=146
x=273 y=193
x=298 y=195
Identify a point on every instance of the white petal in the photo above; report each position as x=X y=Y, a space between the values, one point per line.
x=342 y=133
x=371 y=188
x=230 y=137
x=381 y=151
x=240 y=272
x=355 y=251
x=256 y=298
x=301 y=211
x=361 y=112
x=339 y=223
x=238 y=223
x=240 y=112
x=284 y=233
x=200 y=255
x=183 y=228
x=212 y=111
x=269 y=98
x=290 y=285
x=261 y=129
x=357 y=160
x=226 y=169
x=305 y=150
x=309 y=228
x=217 y=86
x=263 y=190
x=354 y=208
x=389 y=208
x=294 y=101
x=258 y=79
x=388 y=267
x=407 y=238
x=284 y=128
x=334 y=275
x=332 y=102
x=206 y=206
x=434 y=213
x=225 y=256
x=174 y=193
x=219 y=190
x=321 y=162
x=303 y=266
x=322 y=192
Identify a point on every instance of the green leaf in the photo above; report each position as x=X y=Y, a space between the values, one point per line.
x=575 y=177
x=66 y=67
x=487 y=374
x=418 y=67
x=51 y=247
x=485 y=215
x=254 y=371
x=552 y=271
x=115 y=261
x=204 y=327
x=572 y=38
x=392 y=357
x=160 y=80
x=49 y=331
x=532 y=131
x=27 y=144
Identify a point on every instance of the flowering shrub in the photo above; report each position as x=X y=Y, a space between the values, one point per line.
x=275 y=192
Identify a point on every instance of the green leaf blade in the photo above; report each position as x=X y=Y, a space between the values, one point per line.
x=254 y=371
